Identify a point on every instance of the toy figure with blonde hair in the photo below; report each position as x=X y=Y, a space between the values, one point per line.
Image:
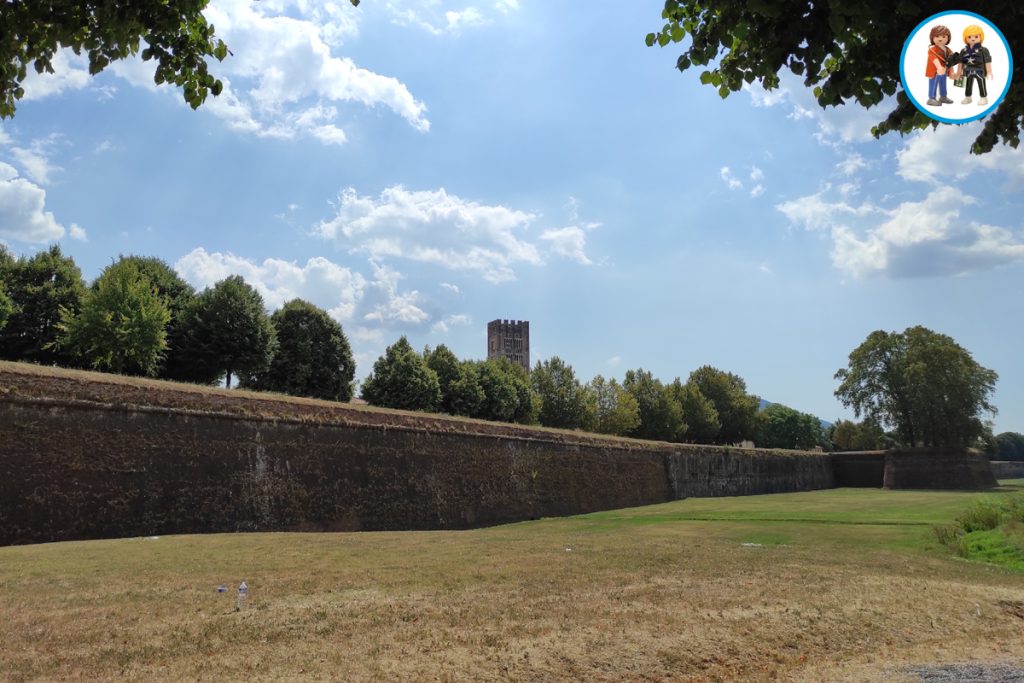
x=975 y=63
x=938 y=53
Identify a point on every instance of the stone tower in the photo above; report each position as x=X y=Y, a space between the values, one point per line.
x=509 y=339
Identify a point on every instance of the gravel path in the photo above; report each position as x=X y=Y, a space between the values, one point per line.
x=969 y=673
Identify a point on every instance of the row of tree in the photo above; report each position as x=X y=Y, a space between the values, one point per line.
x=140 y=318
x=712 y=406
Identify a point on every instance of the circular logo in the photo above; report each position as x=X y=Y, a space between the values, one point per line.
x=956 y=66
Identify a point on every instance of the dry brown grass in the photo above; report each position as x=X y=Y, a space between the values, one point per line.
x=645 y=594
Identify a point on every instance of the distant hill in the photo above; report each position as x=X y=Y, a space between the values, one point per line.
x=825 y=424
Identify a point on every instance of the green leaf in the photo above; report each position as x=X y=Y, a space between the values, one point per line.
x=723 y=92
x=705 y=77
x=650 y=39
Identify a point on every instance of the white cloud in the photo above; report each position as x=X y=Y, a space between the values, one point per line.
x=451 y=289
x=614 y=361
x=35 y=160
x=570 y=242
x=851 y=164
x=757 y=191
x=732 y=181
x=388 y=304
x=941 y=155
x=916 y=239
x=283 y=79
x=506 y=6
x=756 y=174
x=449 y=321
x=22 y=210
x=434 y=18
x=335 y=288
x=104 y=146
x=432 y=226
x=815 y=213
x=836 y=126
x=77 y=232
x=70 y=72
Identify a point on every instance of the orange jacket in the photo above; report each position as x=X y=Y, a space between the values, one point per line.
x=934 y=52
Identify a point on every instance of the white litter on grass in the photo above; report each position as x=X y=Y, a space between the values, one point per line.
x=152 y=538
x=751 y=545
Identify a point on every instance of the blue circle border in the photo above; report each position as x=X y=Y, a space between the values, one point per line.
x=903 y=76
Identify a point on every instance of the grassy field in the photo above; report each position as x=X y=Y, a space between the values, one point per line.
x=830 y=585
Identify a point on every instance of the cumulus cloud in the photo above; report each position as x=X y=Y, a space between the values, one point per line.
x=23 y=214
x=729 y=179
x=432 y=226
x=335 y=288
x=77 y=232
x=438 y=18
x=916 y=239
x=570 y=242
x=814 y=212
x=284 y=78
x=835 y=126
x=941 y=155
x=70 y=72
x=35 y=159
x=443 y=326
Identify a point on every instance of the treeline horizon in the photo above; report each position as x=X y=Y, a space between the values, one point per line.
x=139 y=317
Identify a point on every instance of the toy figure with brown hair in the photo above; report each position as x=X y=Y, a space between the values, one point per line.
x=936 y=71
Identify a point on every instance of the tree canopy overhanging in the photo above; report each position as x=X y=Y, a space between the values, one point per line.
x=846 y=51
x=176 y=35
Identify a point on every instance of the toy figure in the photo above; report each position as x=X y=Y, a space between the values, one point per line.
x=938 y=53
x=975 y=63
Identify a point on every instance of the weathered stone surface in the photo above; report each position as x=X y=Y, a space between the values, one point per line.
x=81 y=460
x=859 y=469
x=938 y=468
x=1007 y=469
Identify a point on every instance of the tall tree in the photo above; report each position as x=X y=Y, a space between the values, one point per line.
x=737 y=410
x=225 y=331
x=847 y=435
x=461 y=393
x=924 y=384
x=313 y=356
x=40 y=287
x=122 y=325
x=563 y=401
x=177 y=294
x=846 y=52
x=6 y=305
x=699 y=413
x=616 y=411
x=402 y=379
x=507 y=394
x=783 y=427
x=1009 y=446
x=661 y=416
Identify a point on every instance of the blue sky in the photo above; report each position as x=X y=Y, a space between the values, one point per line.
x=421 y=168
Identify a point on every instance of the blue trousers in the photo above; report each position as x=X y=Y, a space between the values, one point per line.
x=937 y=82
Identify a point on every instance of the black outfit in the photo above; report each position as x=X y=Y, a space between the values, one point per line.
x=974 y=61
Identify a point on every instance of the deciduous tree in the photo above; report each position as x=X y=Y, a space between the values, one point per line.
x=313 y=356
x=737 y=410
x=461 y=393
x=783 y=427
x=699 y=414
x=563 y=401
x=616 y=411
x=40 y=287
x=847 y=52
x=661 y=416
x=177 y=295
x=226 y=331
x=924 y=384
x=402 y=379
x=122 y=324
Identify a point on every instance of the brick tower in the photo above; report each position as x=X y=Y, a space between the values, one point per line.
x=509 y=339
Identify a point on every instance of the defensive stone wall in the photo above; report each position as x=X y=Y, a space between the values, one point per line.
x=938 y=468
x=859 y=469
x=1007 y=469
x=84 y=455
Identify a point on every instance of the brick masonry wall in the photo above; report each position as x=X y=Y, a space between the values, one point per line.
x=81 y=469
